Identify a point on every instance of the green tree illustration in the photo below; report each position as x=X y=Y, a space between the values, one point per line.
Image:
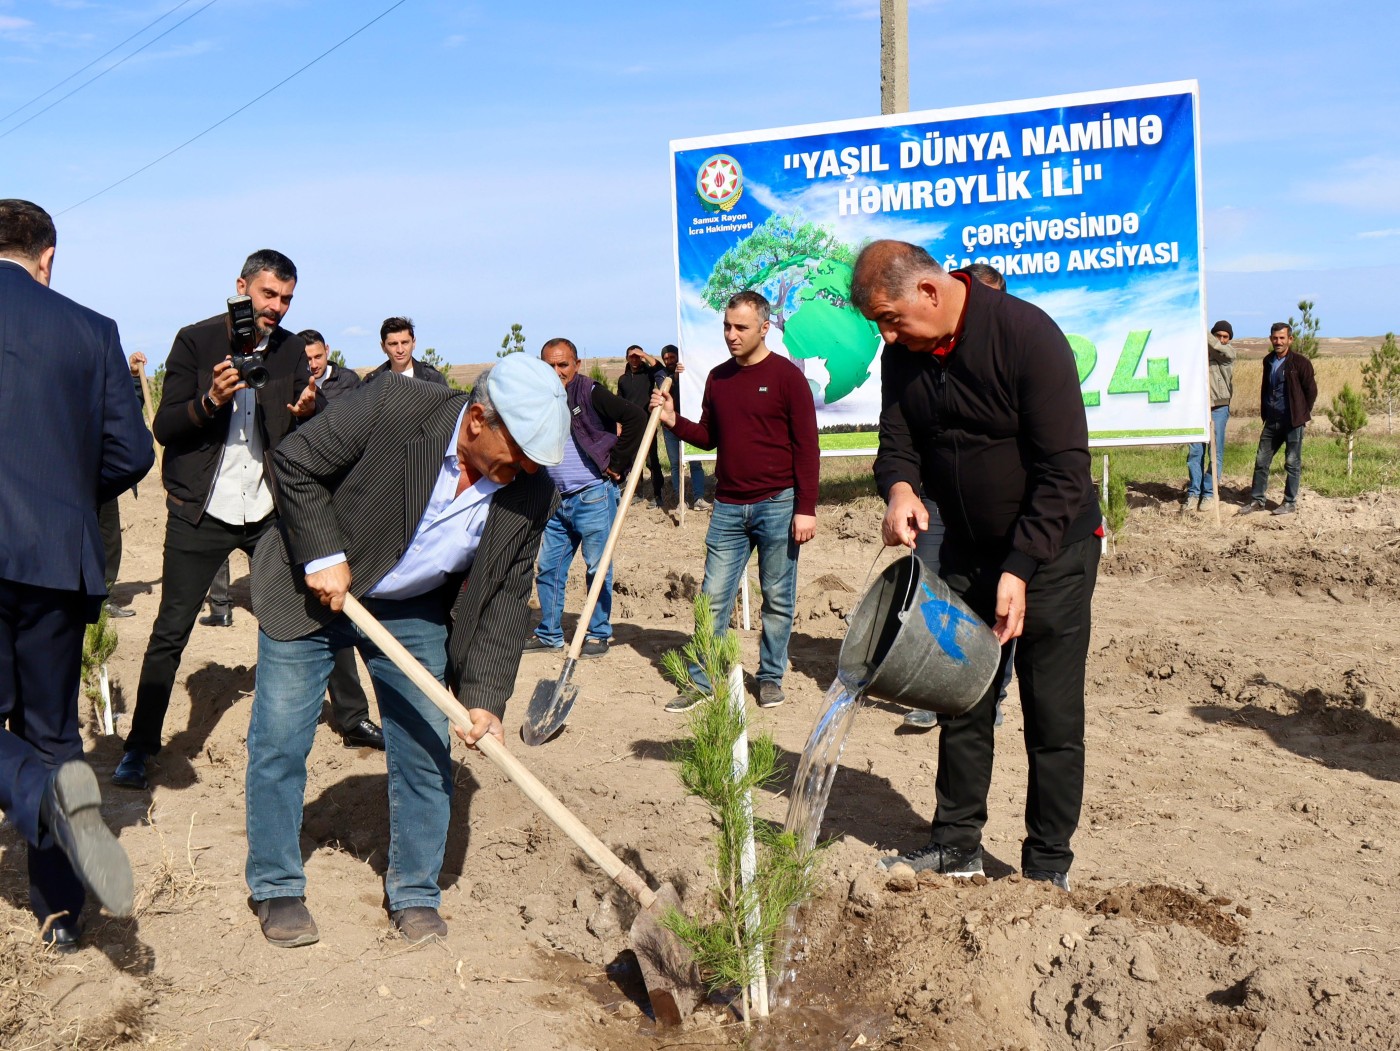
x=775 y=259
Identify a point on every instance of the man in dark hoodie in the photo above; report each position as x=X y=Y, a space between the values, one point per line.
x=595 y=457
x=982 y=407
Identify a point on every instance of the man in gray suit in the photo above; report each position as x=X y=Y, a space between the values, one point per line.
x=397 y=494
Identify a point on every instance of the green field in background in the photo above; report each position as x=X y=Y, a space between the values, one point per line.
x=855 y=440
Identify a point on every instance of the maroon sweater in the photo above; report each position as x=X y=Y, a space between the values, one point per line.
x=762 y=420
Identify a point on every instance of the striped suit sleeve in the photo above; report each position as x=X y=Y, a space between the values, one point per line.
x=325 y=448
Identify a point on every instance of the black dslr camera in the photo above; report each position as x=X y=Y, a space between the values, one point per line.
x=243 y=329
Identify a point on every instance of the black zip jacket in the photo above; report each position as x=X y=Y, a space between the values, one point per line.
x=421 y=371
x=994 y=433
x=193 y=436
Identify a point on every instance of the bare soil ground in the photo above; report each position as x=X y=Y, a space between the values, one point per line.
x=1235 y=884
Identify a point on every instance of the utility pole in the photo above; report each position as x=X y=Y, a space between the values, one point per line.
x=894 y=56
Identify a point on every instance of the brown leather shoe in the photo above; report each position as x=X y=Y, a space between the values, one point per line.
x=420 y=924
x=287 y=923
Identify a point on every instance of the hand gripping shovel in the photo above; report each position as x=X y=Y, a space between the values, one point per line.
x=552 y=701
x=668 y=967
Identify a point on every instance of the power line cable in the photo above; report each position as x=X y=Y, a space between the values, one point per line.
x=94 y=62
x=99 y=76
x=195 y=138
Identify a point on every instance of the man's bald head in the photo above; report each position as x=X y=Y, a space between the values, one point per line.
x=891 y=269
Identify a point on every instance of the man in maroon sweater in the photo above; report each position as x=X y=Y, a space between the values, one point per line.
x=758 y=413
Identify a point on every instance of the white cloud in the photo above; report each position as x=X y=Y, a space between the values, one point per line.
x=1257 y=262
x=1367 y=182
x=1393 y=231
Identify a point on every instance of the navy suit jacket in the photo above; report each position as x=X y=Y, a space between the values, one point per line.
x=71 y=435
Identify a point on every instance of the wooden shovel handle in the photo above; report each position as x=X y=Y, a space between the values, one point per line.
x=146 y=405
x=600 y=575
x=624 y=876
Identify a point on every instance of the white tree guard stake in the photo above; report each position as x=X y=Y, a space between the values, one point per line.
x=1103 y=542
x=104 y=684
x=757 y=993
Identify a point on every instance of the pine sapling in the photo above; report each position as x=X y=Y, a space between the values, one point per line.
x=727 y=947
x=99 y=643
x=1348 y=415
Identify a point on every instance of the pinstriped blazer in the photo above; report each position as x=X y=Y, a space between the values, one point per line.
x=357 y=479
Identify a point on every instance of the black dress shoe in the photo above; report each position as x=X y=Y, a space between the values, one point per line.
x=364 y=734
x=217 y=620
x=119 y=612
x=70 y=814
x=64 y=937
x=131 y=771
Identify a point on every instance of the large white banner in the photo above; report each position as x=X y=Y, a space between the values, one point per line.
x=1089 y=204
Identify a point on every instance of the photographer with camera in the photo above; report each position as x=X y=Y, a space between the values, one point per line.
x=234 y=385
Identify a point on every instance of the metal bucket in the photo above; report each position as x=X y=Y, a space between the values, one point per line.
x=914 y=642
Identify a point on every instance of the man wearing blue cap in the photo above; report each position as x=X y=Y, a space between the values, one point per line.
x=427 y=505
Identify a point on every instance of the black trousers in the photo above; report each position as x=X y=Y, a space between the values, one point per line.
x=1050 y=656
x=193 y=554
x=41 y=646
x=219 y=599
x=658 y=479
x=109 y=522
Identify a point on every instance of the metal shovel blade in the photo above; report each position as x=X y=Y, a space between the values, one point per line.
x=668 y=967
x=549 y=707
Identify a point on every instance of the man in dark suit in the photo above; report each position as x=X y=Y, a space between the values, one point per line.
x=349 y=705
x=216 y=431
x=397 y=341
x=398 y=493
x=71 y=437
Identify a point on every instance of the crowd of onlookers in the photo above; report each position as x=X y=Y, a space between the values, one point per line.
x=440 y=511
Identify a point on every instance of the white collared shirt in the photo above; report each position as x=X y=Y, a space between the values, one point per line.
x=240 y=493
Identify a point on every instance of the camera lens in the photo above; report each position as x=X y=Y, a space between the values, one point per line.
x=255 y=375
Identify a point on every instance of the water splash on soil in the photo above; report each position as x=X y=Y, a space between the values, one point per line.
x=811 y=791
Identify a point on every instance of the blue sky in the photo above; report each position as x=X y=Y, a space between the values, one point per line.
x=475 y=165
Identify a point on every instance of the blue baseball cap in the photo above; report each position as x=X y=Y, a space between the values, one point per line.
x=532 y=404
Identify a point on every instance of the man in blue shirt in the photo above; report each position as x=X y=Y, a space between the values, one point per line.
x=595 y=457
x=427 y=504
x=1287 y=393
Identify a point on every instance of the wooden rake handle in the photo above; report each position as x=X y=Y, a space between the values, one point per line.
x=601 y=574
x=618 y=871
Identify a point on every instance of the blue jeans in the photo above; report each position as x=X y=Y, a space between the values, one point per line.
x=697 y=472
x=291 y=684
x=583 y=519
x=1200 y=479
x=735 y=530
x=1277 y=433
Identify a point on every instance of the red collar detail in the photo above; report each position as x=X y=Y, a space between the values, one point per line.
x=943 y=349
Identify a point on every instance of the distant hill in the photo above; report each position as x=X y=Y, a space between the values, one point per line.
x=1329 y=347
x=466 y=374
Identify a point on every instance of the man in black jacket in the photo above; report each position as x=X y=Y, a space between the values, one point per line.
x=643 y=374
x=397 y=341
x=595 y=457
x=216 y=431
x=1287 y=393
x=981 y=404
